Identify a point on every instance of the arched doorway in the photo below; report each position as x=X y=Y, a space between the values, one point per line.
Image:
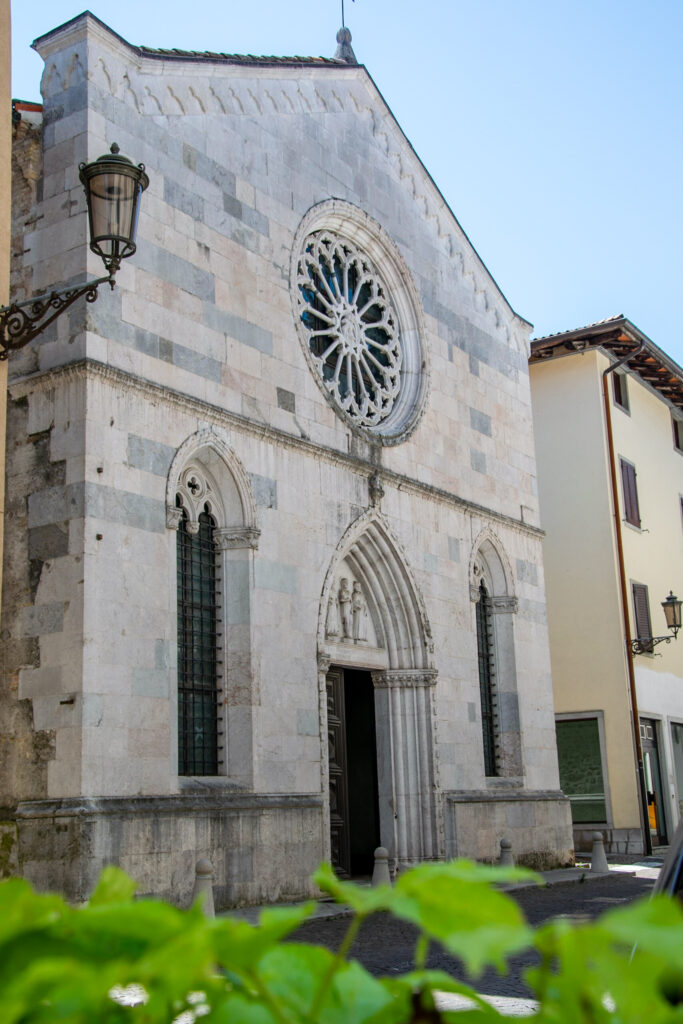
x=377 y=695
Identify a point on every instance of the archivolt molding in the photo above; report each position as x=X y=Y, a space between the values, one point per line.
x=488 y=561
x=190 y=476
x=390 y=589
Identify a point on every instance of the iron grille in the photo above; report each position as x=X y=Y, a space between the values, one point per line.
x=197 y=663
x=485 y=657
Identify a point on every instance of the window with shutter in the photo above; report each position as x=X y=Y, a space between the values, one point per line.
x=630 y=493
x=641 y=615
x=677 y=426
x=620 y=387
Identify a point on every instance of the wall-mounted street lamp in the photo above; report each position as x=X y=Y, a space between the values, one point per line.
x=672 y=614
x=113 y=186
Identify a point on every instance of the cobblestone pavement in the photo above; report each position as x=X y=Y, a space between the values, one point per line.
x=386 y=946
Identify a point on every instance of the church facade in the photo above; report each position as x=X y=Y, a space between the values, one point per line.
x=273 y=588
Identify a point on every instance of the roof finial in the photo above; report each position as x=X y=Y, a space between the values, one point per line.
x=344 y=48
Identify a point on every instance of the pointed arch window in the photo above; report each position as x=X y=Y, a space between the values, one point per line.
x=486 y=679
x=198 y=747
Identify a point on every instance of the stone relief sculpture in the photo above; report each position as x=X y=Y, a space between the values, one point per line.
x=347 y=612
x=332 y=624
x=359 y=611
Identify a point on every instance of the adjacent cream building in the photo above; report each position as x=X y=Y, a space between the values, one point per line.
x=274 y=584
x=606 y=576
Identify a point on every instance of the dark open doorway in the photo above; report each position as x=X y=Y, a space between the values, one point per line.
x=354 y=808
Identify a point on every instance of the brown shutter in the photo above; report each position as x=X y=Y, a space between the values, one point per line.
x=641 y=613
x=630 y=492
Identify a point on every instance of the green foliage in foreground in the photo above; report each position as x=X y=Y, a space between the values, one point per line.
x=76 y=965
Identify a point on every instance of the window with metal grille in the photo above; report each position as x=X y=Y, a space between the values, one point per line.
x=486 y=675
x=641 y=614
x=630 y=492
x=197 y=639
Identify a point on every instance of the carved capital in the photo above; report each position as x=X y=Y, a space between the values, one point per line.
x=504 y=603
x=324 y=662
x=229 y=538
x=404 y=678
x=173 y=517
x=475 y=593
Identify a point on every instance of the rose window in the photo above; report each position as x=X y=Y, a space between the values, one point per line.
x=351 y=327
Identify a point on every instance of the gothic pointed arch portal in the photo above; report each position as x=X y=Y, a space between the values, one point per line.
x=373 y=631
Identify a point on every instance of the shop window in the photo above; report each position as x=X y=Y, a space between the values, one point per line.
x=580 y=762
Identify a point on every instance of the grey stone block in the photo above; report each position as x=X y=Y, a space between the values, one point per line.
x=239 y=329
x=50 y=541
x=125 y=507
x=480 y=421
x=189 y=359
x=39 y=619
x=151 y=456
x=251 y=217
x=286 y=400
x=265 y=490
x=477 y=460
x=454 y=549
x=177 y=271
x=508 y=712
x=181 y=199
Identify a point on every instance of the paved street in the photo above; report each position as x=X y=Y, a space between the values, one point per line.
x=385 y=945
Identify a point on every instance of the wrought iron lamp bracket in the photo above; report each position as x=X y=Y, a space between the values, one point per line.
x=21 y=322
x=645 y=644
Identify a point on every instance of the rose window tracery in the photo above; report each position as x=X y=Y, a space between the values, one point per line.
x=351 y=327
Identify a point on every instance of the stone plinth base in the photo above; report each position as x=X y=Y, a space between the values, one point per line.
x=617 y=840
x=538 y=824
x=262 y=848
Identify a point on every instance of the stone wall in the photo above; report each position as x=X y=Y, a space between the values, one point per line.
x=262 y=849
x=537 y=824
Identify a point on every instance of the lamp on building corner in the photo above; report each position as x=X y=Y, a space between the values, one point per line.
x=113 y=186
x=672 y=614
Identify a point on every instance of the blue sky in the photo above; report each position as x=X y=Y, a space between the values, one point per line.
x=552 y=129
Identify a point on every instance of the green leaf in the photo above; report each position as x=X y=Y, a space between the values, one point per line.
x=237 y=1009
x=363 y=900
x=455 y=904
x=114 y=886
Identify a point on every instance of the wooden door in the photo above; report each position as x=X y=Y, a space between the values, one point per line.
x=339 y=798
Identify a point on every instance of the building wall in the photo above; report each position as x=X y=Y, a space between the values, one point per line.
x=196 y=351
x=587 y=649
x=5 y=228
x=654 y=557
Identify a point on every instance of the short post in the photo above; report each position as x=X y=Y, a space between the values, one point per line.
x=380 y=873
x=599 y=857
x=203 y=886
x=506 y=858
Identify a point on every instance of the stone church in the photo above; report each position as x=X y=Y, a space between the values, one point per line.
x=273 y=588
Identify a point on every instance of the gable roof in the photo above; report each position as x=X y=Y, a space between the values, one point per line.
x=617 y=336
x=336 y=63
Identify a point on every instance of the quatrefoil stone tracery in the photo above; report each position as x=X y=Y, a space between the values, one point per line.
x=352 y=329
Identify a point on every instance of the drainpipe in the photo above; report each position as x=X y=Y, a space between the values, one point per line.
x=645 y=822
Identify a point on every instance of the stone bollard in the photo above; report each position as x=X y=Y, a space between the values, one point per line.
x=598 y=857
x=203 y=886
x=506 y=858
x=380 y=874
